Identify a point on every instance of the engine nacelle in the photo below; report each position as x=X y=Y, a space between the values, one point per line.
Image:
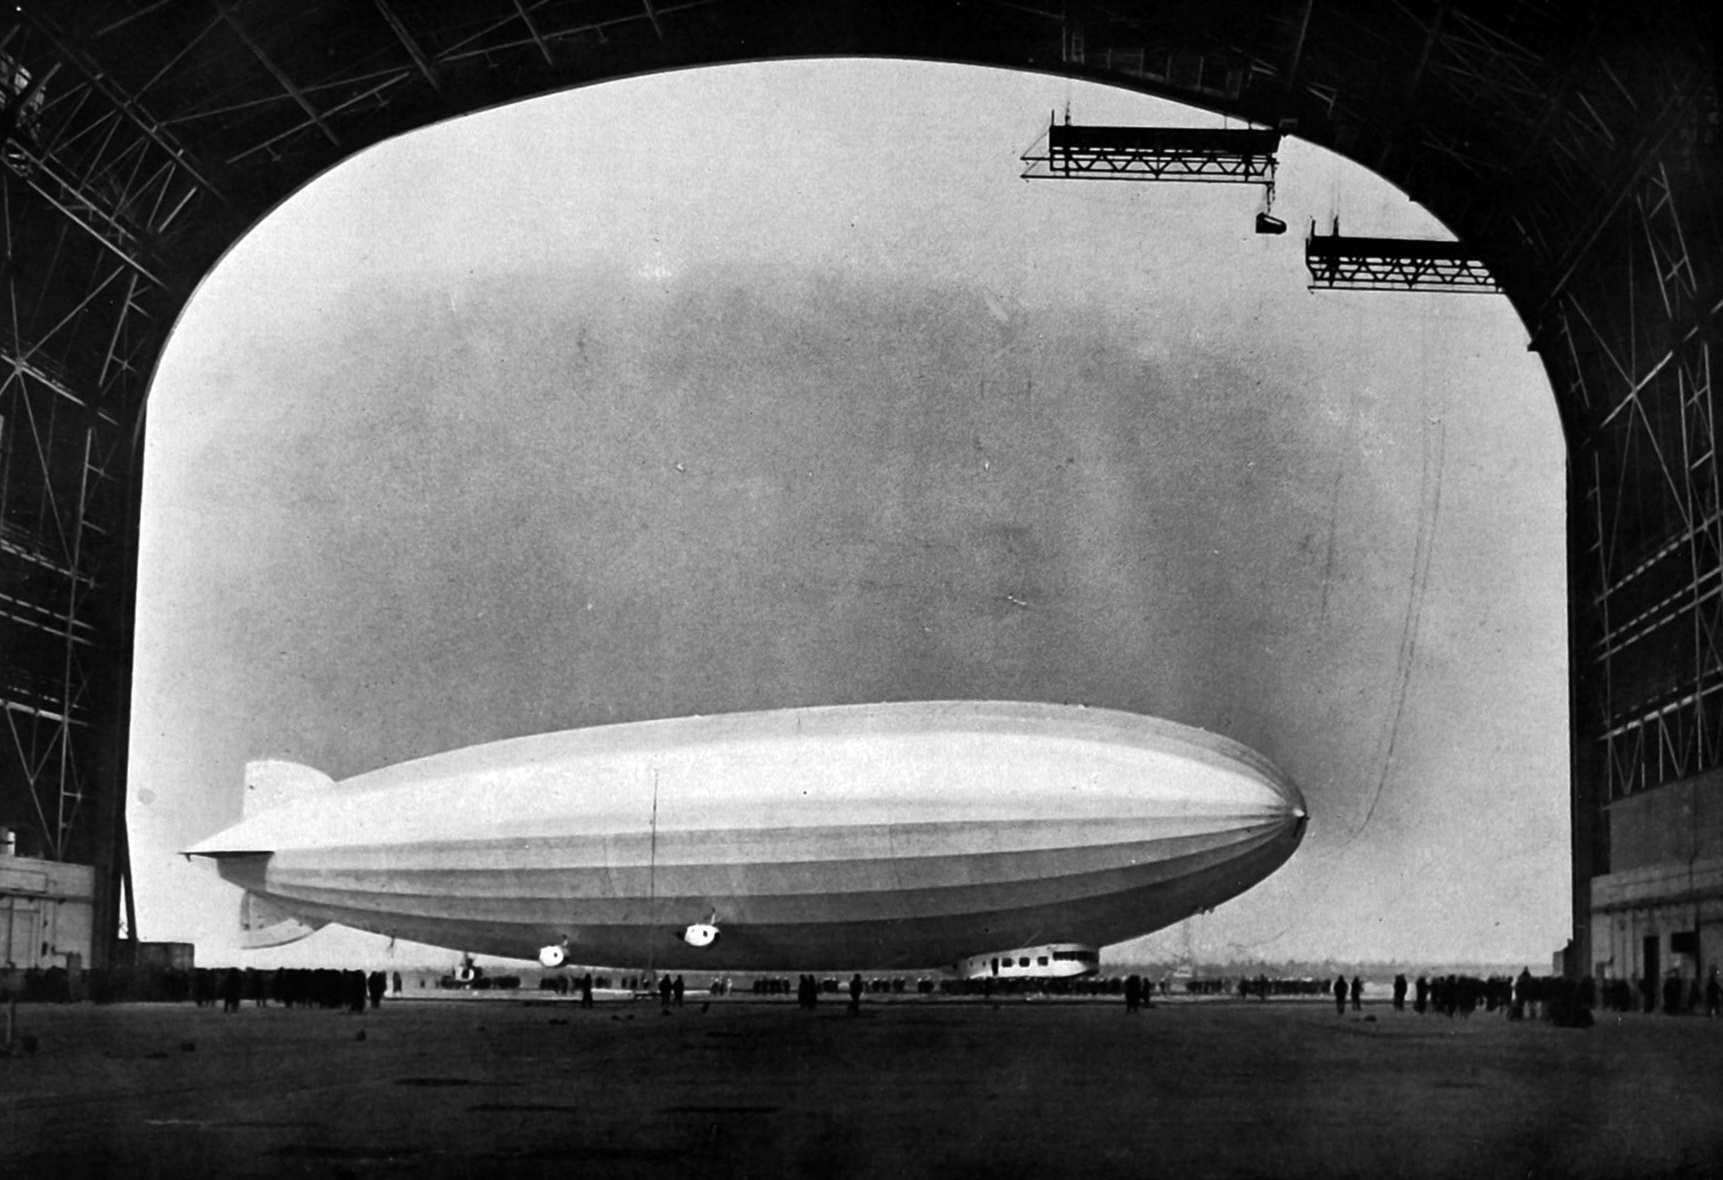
x=701 y=934
x=553 y=956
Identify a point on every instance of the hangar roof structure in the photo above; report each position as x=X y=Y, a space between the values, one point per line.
x=1572 y=148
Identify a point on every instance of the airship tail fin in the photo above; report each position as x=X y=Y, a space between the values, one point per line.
x=270 y=783
x=265 y=923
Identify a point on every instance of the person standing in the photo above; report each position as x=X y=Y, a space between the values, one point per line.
x=1400 y=992
x=1133 y=992
x=1357 y=994
x=1340 y=995
x=855 y=994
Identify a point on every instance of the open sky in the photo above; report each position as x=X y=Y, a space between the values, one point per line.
x=774 y=385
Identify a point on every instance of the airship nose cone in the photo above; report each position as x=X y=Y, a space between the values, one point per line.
x=1294 y=799
x=1293 y=811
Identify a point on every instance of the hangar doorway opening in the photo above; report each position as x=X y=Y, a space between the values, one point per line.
x=794 y=394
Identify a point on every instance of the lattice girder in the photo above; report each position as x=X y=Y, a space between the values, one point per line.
x=1574 y=153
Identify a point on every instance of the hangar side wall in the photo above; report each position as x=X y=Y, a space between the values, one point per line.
x=1681 y=822
x=1660 y=908
x=46 y=913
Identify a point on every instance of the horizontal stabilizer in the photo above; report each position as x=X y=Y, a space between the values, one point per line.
x=270 y=783
x=265 y=923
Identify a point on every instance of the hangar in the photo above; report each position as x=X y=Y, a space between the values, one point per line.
x=1574 y=151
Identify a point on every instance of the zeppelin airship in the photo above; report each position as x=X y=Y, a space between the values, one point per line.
x=948 y=834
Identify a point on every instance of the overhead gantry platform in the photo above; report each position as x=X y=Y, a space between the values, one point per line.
x=1393 y=264
x=1200 y=154
x=1207 y=155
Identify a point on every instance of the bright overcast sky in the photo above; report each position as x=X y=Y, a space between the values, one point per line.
x=774 y=385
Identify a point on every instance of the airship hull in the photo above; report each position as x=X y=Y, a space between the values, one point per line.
x=880 y=836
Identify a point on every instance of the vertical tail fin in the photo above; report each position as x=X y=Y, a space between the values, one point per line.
x=270 y=783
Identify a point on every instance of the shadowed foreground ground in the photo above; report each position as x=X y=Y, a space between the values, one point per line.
x=487 y=1087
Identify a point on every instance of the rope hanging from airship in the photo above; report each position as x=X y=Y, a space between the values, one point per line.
x=1430 y=509
x=1434 y=444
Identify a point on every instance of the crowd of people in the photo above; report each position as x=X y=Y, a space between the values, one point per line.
x=1262 y=987
x=1451 y=995
x=1525 y=995
x=1554 y=997
x=1674 y=995
x=291 y=987
x=36 y=984
x=581 y=985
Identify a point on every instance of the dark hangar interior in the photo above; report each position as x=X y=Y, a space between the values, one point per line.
x=1572 y=148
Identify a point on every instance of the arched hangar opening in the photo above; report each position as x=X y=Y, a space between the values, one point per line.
x=1577 y=155
x=743 y=420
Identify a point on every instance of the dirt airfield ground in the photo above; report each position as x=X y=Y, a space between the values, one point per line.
x=485 y=1087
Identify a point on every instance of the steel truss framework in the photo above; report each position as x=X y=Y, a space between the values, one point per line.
x=1393 y=264
x=1572 y=148
x=1156 y=153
